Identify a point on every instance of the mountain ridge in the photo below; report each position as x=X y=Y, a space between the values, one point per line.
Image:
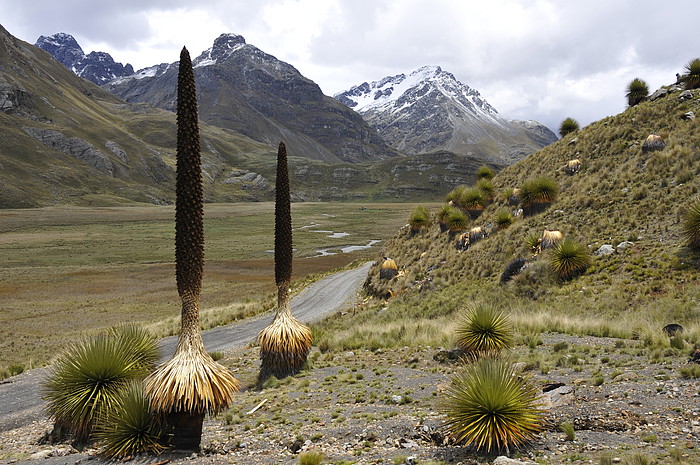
x=429 y=109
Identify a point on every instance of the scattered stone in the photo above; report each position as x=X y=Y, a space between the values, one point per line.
x=562 y=395
x=604 y=250
x=685 y=95
x=42 y=454
x=623 y=245
x=448 y=356
x=573 y=141
x=503 y=460
x=397 y=399
x=688 y=116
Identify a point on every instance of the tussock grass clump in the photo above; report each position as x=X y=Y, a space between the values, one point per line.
x=504 y=218
x=457 y=221
x=131 y=427
x=442 y=216
x=486 y=187
x=484 y=330
x=569 y=258
x=490 y=407
x=484 y=172
x=310 y=457
x=536 y=194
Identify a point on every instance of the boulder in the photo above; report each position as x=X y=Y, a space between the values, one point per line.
x=503 y=460
x=604 y=250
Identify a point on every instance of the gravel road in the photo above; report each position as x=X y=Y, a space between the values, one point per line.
x=20 y=397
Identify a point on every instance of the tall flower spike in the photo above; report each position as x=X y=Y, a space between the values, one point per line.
x=285 y=343
x=190 y=384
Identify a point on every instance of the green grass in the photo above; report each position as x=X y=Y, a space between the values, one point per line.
x=70 y=271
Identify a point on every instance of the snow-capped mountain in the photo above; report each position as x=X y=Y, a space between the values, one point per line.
x=429 y=110
x=98 y=67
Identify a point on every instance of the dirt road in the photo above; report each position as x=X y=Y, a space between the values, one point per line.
x=20 y=396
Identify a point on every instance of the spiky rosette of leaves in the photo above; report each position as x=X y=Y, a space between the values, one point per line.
x=691 y=225
x=491 y=407
x=567 y=126
x=86 y=378
x=569 y=258
x=504 y=218
x=142 y=344
x=455 y=194
x=536 y=194
x=484 y=172
x=131 y=428
x=442 y=215
x=691 y=75
x=457 y=221
x=637 y=92
x=483 y=329
x=486 y=187
x=420 y=219
x=472 y=198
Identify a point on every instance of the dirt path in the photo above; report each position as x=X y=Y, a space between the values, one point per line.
x=20 y=396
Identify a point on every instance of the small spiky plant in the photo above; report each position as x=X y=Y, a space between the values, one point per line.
x=484 y=330
x=457 y=221
x=691 y=225
x=504 y=218
x=491 y=407
x=691 y=75
x=442 y=216
x=637 y=92
x=486 y=187
x=419 y=220
x=86 y=379
x=568 y=126
x=484 y=172
x=569 y=259
x=191 y=383
x=455 y=194
x=285 y=343
x=130 y=428
x=536 y=194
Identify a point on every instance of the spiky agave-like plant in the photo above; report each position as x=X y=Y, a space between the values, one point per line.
x=569 y=259
x=691 y=225
x=131 y=427
x=504 y=218
x=419 y=220
x=86 y=378
x=191 y=383
x=285 y=343
x=691 y=75
x=567 y=126
x=536 y=194
x=491 y=407
x=637 y=92
x=484 y=330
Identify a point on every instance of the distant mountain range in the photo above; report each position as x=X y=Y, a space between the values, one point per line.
x=65 y=140
x=430 y=110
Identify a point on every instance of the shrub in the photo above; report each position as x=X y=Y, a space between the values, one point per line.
x=87 y=377
x=473 y=200
x=490 y=406
x=420 y=219
x=691 y=76
x=568 y=126
x=691 y=225
x=484 y=172
x=504 y=218
x=690 y=371
x=637 y=92
x=483 y=330
x=131 y=427
x=455 y=194
x=569 y=259
x=310 y=457
x=443 y=215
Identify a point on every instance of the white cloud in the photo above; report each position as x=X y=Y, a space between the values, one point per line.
x=541 y=59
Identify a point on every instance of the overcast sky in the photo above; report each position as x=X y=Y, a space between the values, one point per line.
x=531 y=59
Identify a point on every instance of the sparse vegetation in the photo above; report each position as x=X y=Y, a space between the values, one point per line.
x=484 y=172
x=691 y=225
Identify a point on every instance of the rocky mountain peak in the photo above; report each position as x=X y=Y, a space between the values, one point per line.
x=98 y=67
x=63 y=47
x=224 y=46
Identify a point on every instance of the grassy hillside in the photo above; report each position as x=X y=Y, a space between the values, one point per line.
x=620 y=194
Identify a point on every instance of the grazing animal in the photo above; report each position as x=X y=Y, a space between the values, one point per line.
x=572 y=166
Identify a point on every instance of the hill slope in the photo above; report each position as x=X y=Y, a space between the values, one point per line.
x=621 y=193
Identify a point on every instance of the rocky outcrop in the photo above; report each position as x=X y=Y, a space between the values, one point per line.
x=73 y=146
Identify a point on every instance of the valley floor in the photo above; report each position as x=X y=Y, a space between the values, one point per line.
x=364 y=407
